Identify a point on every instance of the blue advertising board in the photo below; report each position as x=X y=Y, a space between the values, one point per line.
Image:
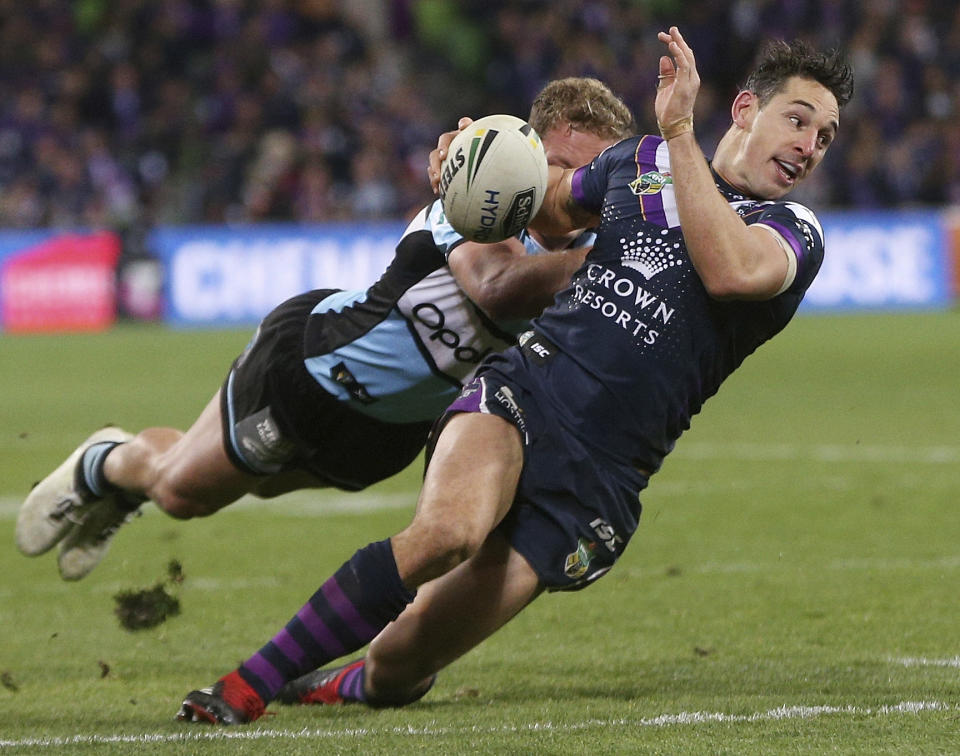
x=886 y=261
x=219 y=276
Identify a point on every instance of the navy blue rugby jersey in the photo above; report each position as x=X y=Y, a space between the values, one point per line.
x=401 y=350
x=641 y=343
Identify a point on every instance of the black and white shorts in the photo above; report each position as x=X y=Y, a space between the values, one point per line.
x=276 y=417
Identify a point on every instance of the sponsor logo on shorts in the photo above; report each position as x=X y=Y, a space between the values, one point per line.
x=578 y=562
x=265 y=447
x=607 y=535
x=268 y=432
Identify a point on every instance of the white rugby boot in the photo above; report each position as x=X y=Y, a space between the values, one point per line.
x=87 y=543
x=57 y=504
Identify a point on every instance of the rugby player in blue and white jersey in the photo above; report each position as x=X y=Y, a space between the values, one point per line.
x=536 y=469
x=337 y=388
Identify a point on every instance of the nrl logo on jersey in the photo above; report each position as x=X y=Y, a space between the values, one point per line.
x=651 y=182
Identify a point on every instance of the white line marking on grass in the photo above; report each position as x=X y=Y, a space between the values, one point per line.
x=930 y=455
x=306 y=503
x=921 y=661
x=326 y=501
x=682 y=718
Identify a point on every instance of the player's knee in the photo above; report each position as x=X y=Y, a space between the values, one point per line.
x=182 y=505
x=389 y=685
x=446 y=545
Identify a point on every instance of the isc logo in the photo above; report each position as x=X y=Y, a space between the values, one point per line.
x=540 y=349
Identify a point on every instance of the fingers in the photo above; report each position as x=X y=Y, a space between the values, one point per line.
x=667 y=71
x=680 y=52
x=438 y=155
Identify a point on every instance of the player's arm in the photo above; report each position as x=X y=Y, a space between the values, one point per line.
x=734 y=261
x=560 y=213
x=506 y=282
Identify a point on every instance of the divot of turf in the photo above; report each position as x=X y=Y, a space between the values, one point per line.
x=149 y=607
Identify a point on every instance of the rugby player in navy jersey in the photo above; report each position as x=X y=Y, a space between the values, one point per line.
x=535 y=470
x=338 y=388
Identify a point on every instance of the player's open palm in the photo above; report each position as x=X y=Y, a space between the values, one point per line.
x=678 y=82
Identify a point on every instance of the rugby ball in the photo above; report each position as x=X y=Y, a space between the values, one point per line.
x=493 y=179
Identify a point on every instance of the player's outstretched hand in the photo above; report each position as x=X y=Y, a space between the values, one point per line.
x=437 y=155
x=678 y=81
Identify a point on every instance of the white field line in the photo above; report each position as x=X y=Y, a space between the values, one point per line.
x=326 y=502
x=306 y=503
x=926 y=455
x=683 y=718
x=922 y=661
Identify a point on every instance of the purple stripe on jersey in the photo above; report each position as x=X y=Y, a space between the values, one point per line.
x=576 y=186
x=470 y=398
x=347 y=612
x=265 y=671
x=319 y=631
x=790 y=235
x=646 y=158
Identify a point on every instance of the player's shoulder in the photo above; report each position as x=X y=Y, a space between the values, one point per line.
x=624 y=150
x=784 y=212
x=431 y=223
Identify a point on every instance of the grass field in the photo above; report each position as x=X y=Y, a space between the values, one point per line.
x=793 y=587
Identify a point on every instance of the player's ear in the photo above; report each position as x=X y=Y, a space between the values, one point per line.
x=744 y=108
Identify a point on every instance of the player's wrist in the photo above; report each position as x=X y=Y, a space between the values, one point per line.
x=676 y=128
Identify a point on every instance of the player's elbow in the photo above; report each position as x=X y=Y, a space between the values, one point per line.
x=732 y=285
x=496 y=299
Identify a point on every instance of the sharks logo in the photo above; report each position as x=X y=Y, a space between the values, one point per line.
x=651 y=182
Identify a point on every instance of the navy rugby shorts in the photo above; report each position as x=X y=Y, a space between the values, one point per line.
x=277 y=418
x=575 y=509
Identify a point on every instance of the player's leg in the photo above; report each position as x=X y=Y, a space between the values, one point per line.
x=186 y=474
x=449 y=616
x=190 y=474
x=469 y=487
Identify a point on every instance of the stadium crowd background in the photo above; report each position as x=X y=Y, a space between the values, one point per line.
x=127 y=114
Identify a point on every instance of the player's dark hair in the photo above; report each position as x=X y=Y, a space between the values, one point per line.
x=779 y=61
x=586 y=104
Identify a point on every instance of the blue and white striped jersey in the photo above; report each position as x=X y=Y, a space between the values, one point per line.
x=400 y=350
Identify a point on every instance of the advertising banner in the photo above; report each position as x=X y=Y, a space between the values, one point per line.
x=217 y=276
x=58 y=281
x=886 y=261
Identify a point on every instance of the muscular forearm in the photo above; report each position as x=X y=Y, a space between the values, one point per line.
x=523 y=288
x=723 y=249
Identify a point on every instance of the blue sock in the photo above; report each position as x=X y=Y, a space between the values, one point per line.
x=90 y=476
x=346 y=613
x=91 y=468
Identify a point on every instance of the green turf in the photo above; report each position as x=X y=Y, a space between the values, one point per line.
x=792 y=589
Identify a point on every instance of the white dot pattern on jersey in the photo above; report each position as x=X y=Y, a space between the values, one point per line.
x=650 y=255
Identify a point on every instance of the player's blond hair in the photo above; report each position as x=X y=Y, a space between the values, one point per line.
x=586 y=104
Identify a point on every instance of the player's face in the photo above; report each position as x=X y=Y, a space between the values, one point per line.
x=785 y=139
x=569 y=148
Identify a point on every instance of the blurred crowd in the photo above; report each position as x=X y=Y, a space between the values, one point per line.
x=132 y=113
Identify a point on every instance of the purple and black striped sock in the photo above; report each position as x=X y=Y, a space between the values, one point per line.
x=346 y=613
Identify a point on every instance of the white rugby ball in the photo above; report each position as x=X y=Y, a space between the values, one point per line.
x=493 y=179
